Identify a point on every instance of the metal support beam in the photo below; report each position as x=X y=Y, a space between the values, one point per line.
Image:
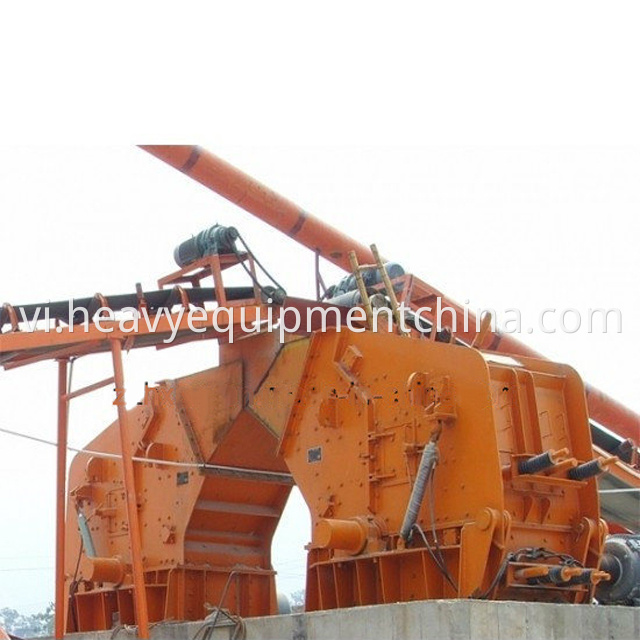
x=89 y=388
x=61 y=496
x=135 y=542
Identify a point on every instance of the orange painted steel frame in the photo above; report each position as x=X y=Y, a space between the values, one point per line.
x=235 y=185
x=61 y=496
x=131 y=494
x=62 y=532
x=207 y=503
x=19 y=348
x=314 y=404
x=353 y=441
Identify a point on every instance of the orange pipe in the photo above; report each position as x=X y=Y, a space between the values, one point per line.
x=532 y=572
x=264 y=203
x=135 y=542
x=274 y=209
x=61 y=496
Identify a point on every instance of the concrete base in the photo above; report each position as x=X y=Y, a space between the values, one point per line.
x=435 y=619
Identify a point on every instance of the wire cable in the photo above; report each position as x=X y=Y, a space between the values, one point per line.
x=75 y=584
x=253 y=255
x=255 y=280
x=628 y=490
x=441 y=568
x=431 y=499
x=166 y=463
x=9 y=570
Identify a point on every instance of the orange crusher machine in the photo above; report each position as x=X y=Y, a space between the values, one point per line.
x=434 y=463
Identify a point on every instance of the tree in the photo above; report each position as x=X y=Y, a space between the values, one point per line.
x=27 y=626
x=297 y=601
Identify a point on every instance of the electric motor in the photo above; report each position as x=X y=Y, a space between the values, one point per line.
x=215 y=240
x=621 y=559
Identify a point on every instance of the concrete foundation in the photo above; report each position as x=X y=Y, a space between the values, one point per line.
x=435 y=619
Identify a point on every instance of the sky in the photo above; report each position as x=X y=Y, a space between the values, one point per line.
x=492 y=148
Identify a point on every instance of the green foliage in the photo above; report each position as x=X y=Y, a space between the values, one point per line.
x=27 y=626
